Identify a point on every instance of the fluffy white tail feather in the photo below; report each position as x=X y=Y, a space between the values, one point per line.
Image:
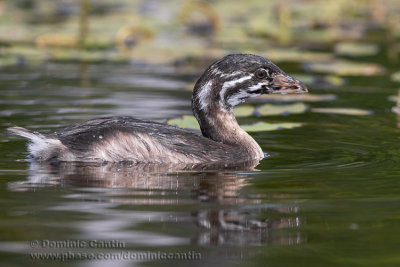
x=34 y=137
x=40 y=147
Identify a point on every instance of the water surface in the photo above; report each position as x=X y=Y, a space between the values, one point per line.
x=328 y=195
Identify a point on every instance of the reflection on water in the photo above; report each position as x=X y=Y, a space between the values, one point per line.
x=228 y=217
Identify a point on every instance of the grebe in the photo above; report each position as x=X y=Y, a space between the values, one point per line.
x=226 y=83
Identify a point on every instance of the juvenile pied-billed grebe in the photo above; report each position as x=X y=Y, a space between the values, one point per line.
x=226 y=83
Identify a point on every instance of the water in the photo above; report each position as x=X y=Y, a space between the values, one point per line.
x=328 y=195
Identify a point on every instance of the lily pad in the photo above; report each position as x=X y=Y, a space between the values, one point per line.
x=190 y=122
x=395 y=76
x=343 y=67
x=265 y=126
x=297 y=98
x=342 y=111
x=334 y=80
x=187 y=121
x=244 y=111
x=271 y=110
x=356 y=49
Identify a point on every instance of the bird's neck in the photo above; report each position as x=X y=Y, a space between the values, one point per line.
x=219 y=124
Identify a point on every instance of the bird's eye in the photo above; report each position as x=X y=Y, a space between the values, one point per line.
x=261 y=73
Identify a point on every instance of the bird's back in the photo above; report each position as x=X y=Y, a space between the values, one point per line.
x=116 y=139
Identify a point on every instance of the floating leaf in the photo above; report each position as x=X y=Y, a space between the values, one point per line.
x=244 y=111
x=265 y=126
x=334 y=80
x=187 y=121
x=343 y=67
x=297 y=98
x=270 y=110
x=395 y=76
x=343 y=111
x=56 y=40
x=356 y=49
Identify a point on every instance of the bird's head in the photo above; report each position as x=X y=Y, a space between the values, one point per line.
x=234 y=78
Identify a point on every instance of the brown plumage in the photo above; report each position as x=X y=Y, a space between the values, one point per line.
x=223 y=85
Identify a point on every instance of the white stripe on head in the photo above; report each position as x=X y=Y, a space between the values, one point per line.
x=221 y=74
x=230 y=84
x=257 y=86
x=227 y=75
x=238 y=98
x=204 y=95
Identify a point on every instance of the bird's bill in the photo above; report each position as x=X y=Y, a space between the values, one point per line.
x=285 y=84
